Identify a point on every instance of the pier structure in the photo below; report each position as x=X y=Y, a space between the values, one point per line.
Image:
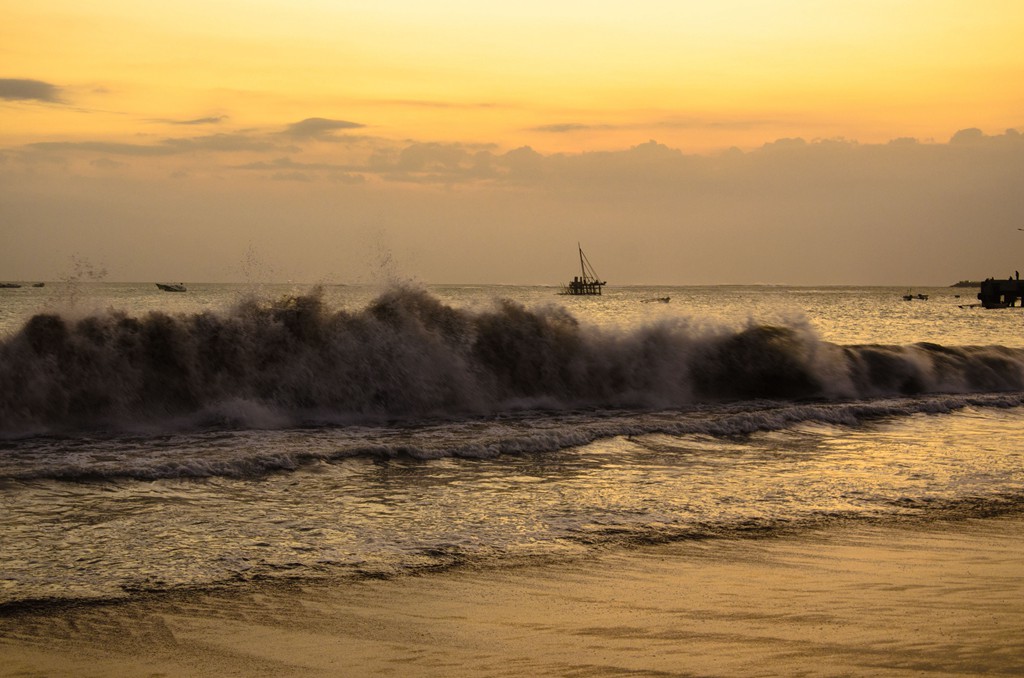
x=580 y=285
x=997 y=293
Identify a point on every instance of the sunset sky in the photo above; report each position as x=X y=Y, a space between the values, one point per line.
x=801 y=142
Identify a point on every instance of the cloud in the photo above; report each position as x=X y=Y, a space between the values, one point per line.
x=968 y=136
x=433 y=162
x=112 y=148
x=211 y=120
x=975 y=137
x=210 y=143
x=106 y=163
x=223 y=143
x=286 y=169
x=432 y=103
x=524 y=163
x=319 y=127
x=798 y=211
x=16 y=89
x=431 y=156
x=672 y=123
x=292 y=176
x=563 y=127
x=288 y=163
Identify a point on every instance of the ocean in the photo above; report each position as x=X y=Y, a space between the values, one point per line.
x=156 y=442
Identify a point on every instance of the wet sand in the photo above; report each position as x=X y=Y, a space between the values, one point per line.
x=945 y=599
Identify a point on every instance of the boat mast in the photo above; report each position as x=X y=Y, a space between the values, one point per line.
x=587 y=281
x=589 y=274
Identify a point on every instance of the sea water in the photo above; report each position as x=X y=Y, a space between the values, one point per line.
x=154 y=441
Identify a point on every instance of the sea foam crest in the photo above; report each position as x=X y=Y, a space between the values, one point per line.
x=407 y=355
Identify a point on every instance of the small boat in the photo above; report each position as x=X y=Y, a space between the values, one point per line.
x=9 y=286
x=910 y=297
x=922 y=297
x=172 y=287
x=663 y=300
x=587 y=282
x=38 y=284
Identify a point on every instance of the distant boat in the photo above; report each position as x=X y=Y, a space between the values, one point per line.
x=586 y=282
x=663 y=300
x=910 y=297
x=172 y=287
x=38 y=284
x=9 y=286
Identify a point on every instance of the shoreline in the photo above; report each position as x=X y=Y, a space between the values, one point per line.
x=943 y=598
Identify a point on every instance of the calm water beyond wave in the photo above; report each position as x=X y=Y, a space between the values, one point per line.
x=153 y=441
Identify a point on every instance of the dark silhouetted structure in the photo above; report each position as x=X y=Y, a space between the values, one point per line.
x=585 y=283
x=1001 y=293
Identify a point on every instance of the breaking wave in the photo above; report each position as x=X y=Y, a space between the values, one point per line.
x=408 y=356
x=250 y=454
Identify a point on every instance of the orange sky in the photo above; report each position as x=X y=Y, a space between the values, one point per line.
x=377 y=92
x=568 y=76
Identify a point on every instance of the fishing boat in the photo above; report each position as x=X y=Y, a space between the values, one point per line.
x=587 y=281
x=172 y=287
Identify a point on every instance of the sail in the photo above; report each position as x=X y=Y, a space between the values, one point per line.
x=587 y=282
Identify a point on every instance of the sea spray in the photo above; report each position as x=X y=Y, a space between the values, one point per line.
x=406 y=356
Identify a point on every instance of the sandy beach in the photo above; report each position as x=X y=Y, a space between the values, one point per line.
x=941 y=599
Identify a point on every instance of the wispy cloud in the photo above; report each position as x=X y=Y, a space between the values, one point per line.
x=18 y=89
x=319 y=127
x=108 y=147
x=670 y=123
x=562 y=127
x=216 y=143
x=426 y=103
x=224 y=143
x=713 y=123
x=211 y=120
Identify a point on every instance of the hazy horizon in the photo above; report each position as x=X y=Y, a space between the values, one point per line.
x=460 y=144
x=413 y=283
